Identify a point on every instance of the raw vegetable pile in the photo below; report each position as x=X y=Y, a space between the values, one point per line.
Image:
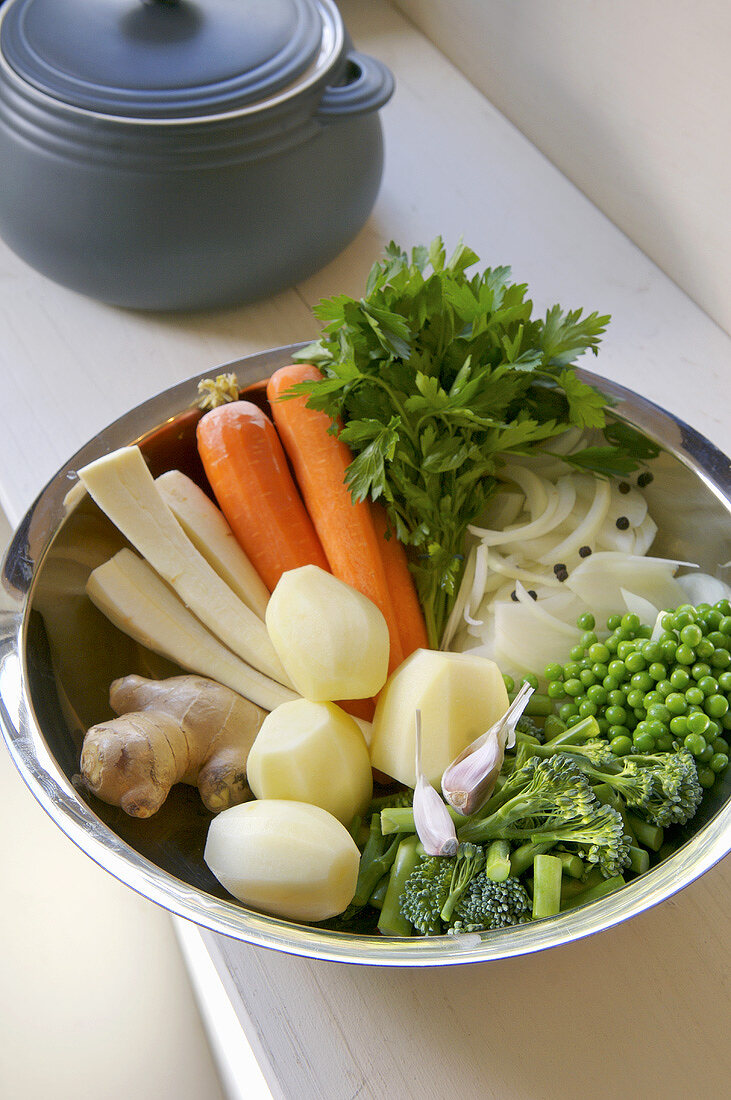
x=426 y=568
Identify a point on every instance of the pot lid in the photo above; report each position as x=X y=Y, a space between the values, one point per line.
x=166 y=58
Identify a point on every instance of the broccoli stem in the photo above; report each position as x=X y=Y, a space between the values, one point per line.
x=497 y=861
x=606 y=886
x=571 y=887
x=606 y=794
x=571 y=864
x=553 y=726
x=376 y=898
x=649 y=836
x=639 y=860
x=547 y=873
x=400 y=819
x=391 y=921
x=538 y=706
x=522 y=858
x=375 y=862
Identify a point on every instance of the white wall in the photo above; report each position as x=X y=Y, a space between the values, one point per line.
x=631 y=99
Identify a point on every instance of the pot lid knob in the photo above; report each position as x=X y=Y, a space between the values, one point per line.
x=162 y=58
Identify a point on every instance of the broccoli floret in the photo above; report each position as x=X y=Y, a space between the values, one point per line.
x=528 y=725
x=675 y=792
x=554 y=802
x=436 y=885
x=663 y=786
x=486 y=905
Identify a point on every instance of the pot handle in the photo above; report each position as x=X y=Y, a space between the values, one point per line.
x=368 y=85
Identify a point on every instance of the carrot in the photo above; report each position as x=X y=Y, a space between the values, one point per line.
x=319 y=461
x=247 y=469
x=411 y=625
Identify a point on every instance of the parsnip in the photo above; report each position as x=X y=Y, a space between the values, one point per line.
x=315 y=753
x=289 y=859
x=207 y=528
x=124 y=489
x=131 y=594
x=186 y=729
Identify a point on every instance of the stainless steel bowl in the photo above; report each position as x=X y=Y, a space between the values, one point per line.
x=58 y=655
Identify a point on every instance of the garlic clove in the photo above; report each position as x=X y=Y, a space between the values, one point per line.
x=471 y=777
x=434 y=826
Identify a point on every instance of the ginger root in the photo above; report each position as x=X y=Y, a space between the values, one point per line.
x=186 y=729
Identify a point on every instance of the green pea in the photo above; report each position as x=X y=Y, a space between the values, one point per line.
x=684 y=655
x=669 y=650
x=724 y=606
x=531 y=679
x=598 y=652
x=553 y=672
x=695 y=743
x=683 y=617
x=726 y=720
x=694 y=696
x=676 y=703
x=635 y=697
x=659 y=713
x=645 y=742
x=587 y=677
x=599 y=669
x=571 y=670
x=576 y=652
x=610 y=683
x=706 y=777
x=699 y=670
x=587 y=709
x=725 y=625
x=642 y=680
x=567 y=710
x=618 y=671
x=624 y=648
x=651 y=651
x=597 y=694
x=724 y=681
x=657 y=670
x=573 y=720
x=714 y=729
x=719 y=745
x=611 y=643
x=717 y=763
x=679 y=725
x=616 y=620
x=708 y=685
x=616 y=715
x=704 y=649
x=573 y=687
x=653 y=698
x=616 y=698
x=716 y=706
x=603 y=725
x=664 y=743
x=586 y=621
x=697 y=723
x=713 y=618
x=509 y=684
x=630 y=621
x=621 y=744
x=718 y=639
x=706 y=756
x=588 y=639
x=680 y=678
x=664 y=687
x=721 y=659
x=656 y=728
x=555 y=690
x=635 y=662
x=691 y=635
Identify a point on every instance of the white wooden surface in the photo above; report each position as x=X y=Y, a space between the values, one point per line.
x=643 y=1008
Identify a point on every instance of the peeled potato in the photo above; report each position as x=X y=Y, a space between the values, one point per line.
x=289 y=859
x=312 y=752
x=459 y=695
x=332 y=641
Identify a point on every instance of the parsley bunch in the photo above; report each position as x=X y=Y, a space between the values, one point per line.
x=430 y=378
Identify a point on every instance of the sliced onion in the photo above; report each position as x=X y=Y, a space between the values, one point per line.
x=560 y=503
x=463 y=593
x=584 y=533
x=535 y=488
x=638 y=605
x=645 y=535
x=478 y=585
x=599 y=581
x=703 y=588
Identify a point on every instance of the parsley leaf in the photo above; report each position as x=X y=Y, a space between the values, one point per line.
x=434 y=375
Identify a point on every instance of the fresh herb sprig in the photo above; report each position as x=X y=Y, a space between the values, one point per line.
x=430 y=378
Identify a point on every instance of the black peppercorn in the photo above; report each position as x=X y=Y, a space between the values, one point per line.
x=623 y=523
x=624 y=487
x=584 y=551
x=645 y=479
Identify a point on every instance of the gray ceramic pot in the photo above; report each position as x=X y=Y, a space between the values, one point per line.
x=184 y=154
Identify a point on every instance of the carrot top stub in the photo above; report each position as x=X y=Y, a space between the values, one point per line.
x=248 y=472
